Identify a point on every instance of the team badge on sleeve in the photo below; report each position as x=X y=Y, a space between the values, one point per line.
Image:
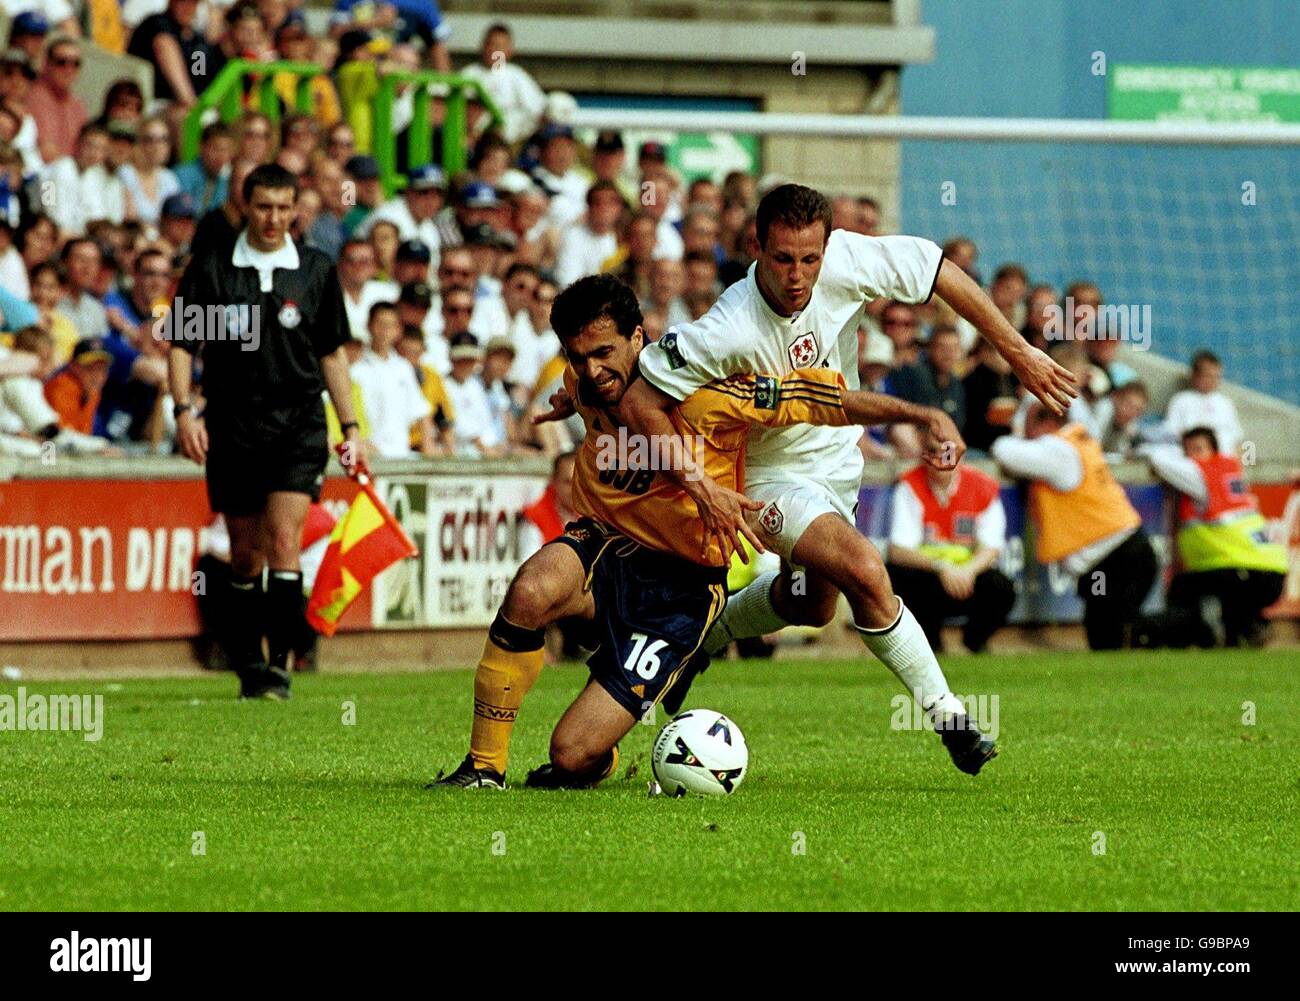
x=766 y=392
x=668 y=343
x=290 y=316
x=803 y=352
x=772 y=520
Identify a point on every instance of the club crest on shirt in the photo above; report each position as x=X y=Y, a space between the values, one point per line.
x=668 y=343
x=803 y=352
x=290 y=316
x=772 y=520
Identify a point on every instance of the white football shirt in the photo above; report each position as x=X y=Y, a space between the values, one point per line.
x=742 y=334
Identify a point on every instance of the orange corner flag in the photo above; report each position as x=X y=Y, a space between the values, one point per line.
x=366 y=541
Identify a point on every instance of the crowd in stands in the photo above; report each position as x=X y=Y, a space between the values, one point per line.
x=446 y=284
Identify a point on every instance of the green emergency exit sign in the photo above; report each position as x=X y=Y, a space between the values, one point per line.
x=1149 y=92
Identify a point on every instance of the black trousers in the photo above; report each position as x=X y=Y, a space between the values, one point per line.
x=986 y=610
x=1243 y=595
x=1113 y=591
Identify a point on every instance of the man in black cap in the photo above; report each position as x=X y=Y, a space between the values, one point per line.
x=177 y=224
x=652 y=161
x=27 y=33
x=411 y=263
x=266 y=318
x=493 y=252
x=608 y=163
x=477 y=204
x=413 y=308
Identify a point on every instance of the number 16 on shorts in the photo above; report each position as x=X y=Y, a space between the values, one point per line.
x=643 y=659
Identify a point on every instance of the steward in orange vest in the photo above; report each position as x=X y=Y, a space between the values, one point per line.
x=1223 y=544
x=1083 y=520
x=946 y=531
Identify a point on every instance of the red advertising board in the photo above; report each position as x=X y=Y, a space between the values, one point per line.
x=114 y=559
x=111 y=559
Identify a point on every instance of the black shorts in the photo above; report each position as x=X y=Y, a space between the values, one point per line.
x=257 y=452
x=653 y=611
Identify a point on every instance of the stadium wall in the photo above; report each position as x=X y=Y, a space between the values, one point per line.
x=94 y=554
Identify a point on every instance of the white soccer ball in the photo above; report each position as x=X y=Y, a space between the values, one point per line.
x=700 y=751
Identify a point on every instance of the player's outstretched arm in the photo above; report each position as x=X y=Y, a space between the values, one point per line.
x=645 y=409
x=1050 y=382
x=941 y=443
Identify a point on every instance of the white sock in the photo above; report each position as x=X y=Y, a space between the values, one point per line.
x=903 y=648
x=749 y=612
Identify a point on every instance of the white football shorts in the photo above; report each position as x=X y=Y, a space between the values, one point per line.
x=793 y=502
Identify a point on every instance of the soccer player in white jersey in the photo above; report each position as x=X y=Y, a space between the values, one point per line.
x=800 y=305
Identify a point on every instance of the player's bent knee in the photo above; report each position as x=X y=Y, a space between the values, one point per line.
x=529 y=601
x=571 y=754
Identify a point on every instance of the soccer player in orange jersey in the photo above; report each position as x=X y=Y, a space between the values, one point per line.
x=638 y=565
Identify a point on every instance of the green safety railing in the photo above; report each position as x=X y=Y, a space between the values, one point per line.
x=419 y=149
x=226 y=94
x=227 y=90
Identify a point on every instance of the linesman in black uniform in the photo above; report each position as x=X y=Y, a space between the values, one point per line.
x=267 y=321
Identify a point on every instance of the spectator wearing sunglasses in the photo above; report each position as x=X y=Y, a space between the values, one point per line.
x=59 y=113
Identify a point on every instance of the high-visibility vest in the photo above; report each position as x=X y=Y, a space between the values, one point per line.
x=1227 y=532
x=1069 y=520
x=948 y=530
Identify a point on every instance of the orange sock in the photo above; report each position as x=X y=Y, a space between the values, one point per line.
x=503 y=678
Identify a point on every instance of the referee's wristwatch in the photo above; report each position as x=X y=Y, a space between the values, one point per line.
x=347 y=426
x=181 y=408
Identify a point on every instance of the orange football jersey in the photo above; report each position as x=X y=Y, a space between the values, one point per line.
x=619 y=478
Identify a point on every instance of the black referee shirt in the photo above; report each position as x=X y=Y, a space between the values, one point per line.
x=292 y=327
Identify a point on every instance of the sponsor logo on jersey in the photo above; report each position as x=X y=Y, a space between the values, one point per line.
x=766 y=392
x=669 y=345
x=290 y=316
x=772 y=520
x=803 y=352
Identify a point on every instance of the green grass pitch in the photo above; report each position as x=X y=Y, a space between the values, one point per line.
x=299 y=811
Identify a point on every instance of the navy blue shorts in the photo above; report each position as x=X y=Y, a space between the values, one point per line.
x=653 y=611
